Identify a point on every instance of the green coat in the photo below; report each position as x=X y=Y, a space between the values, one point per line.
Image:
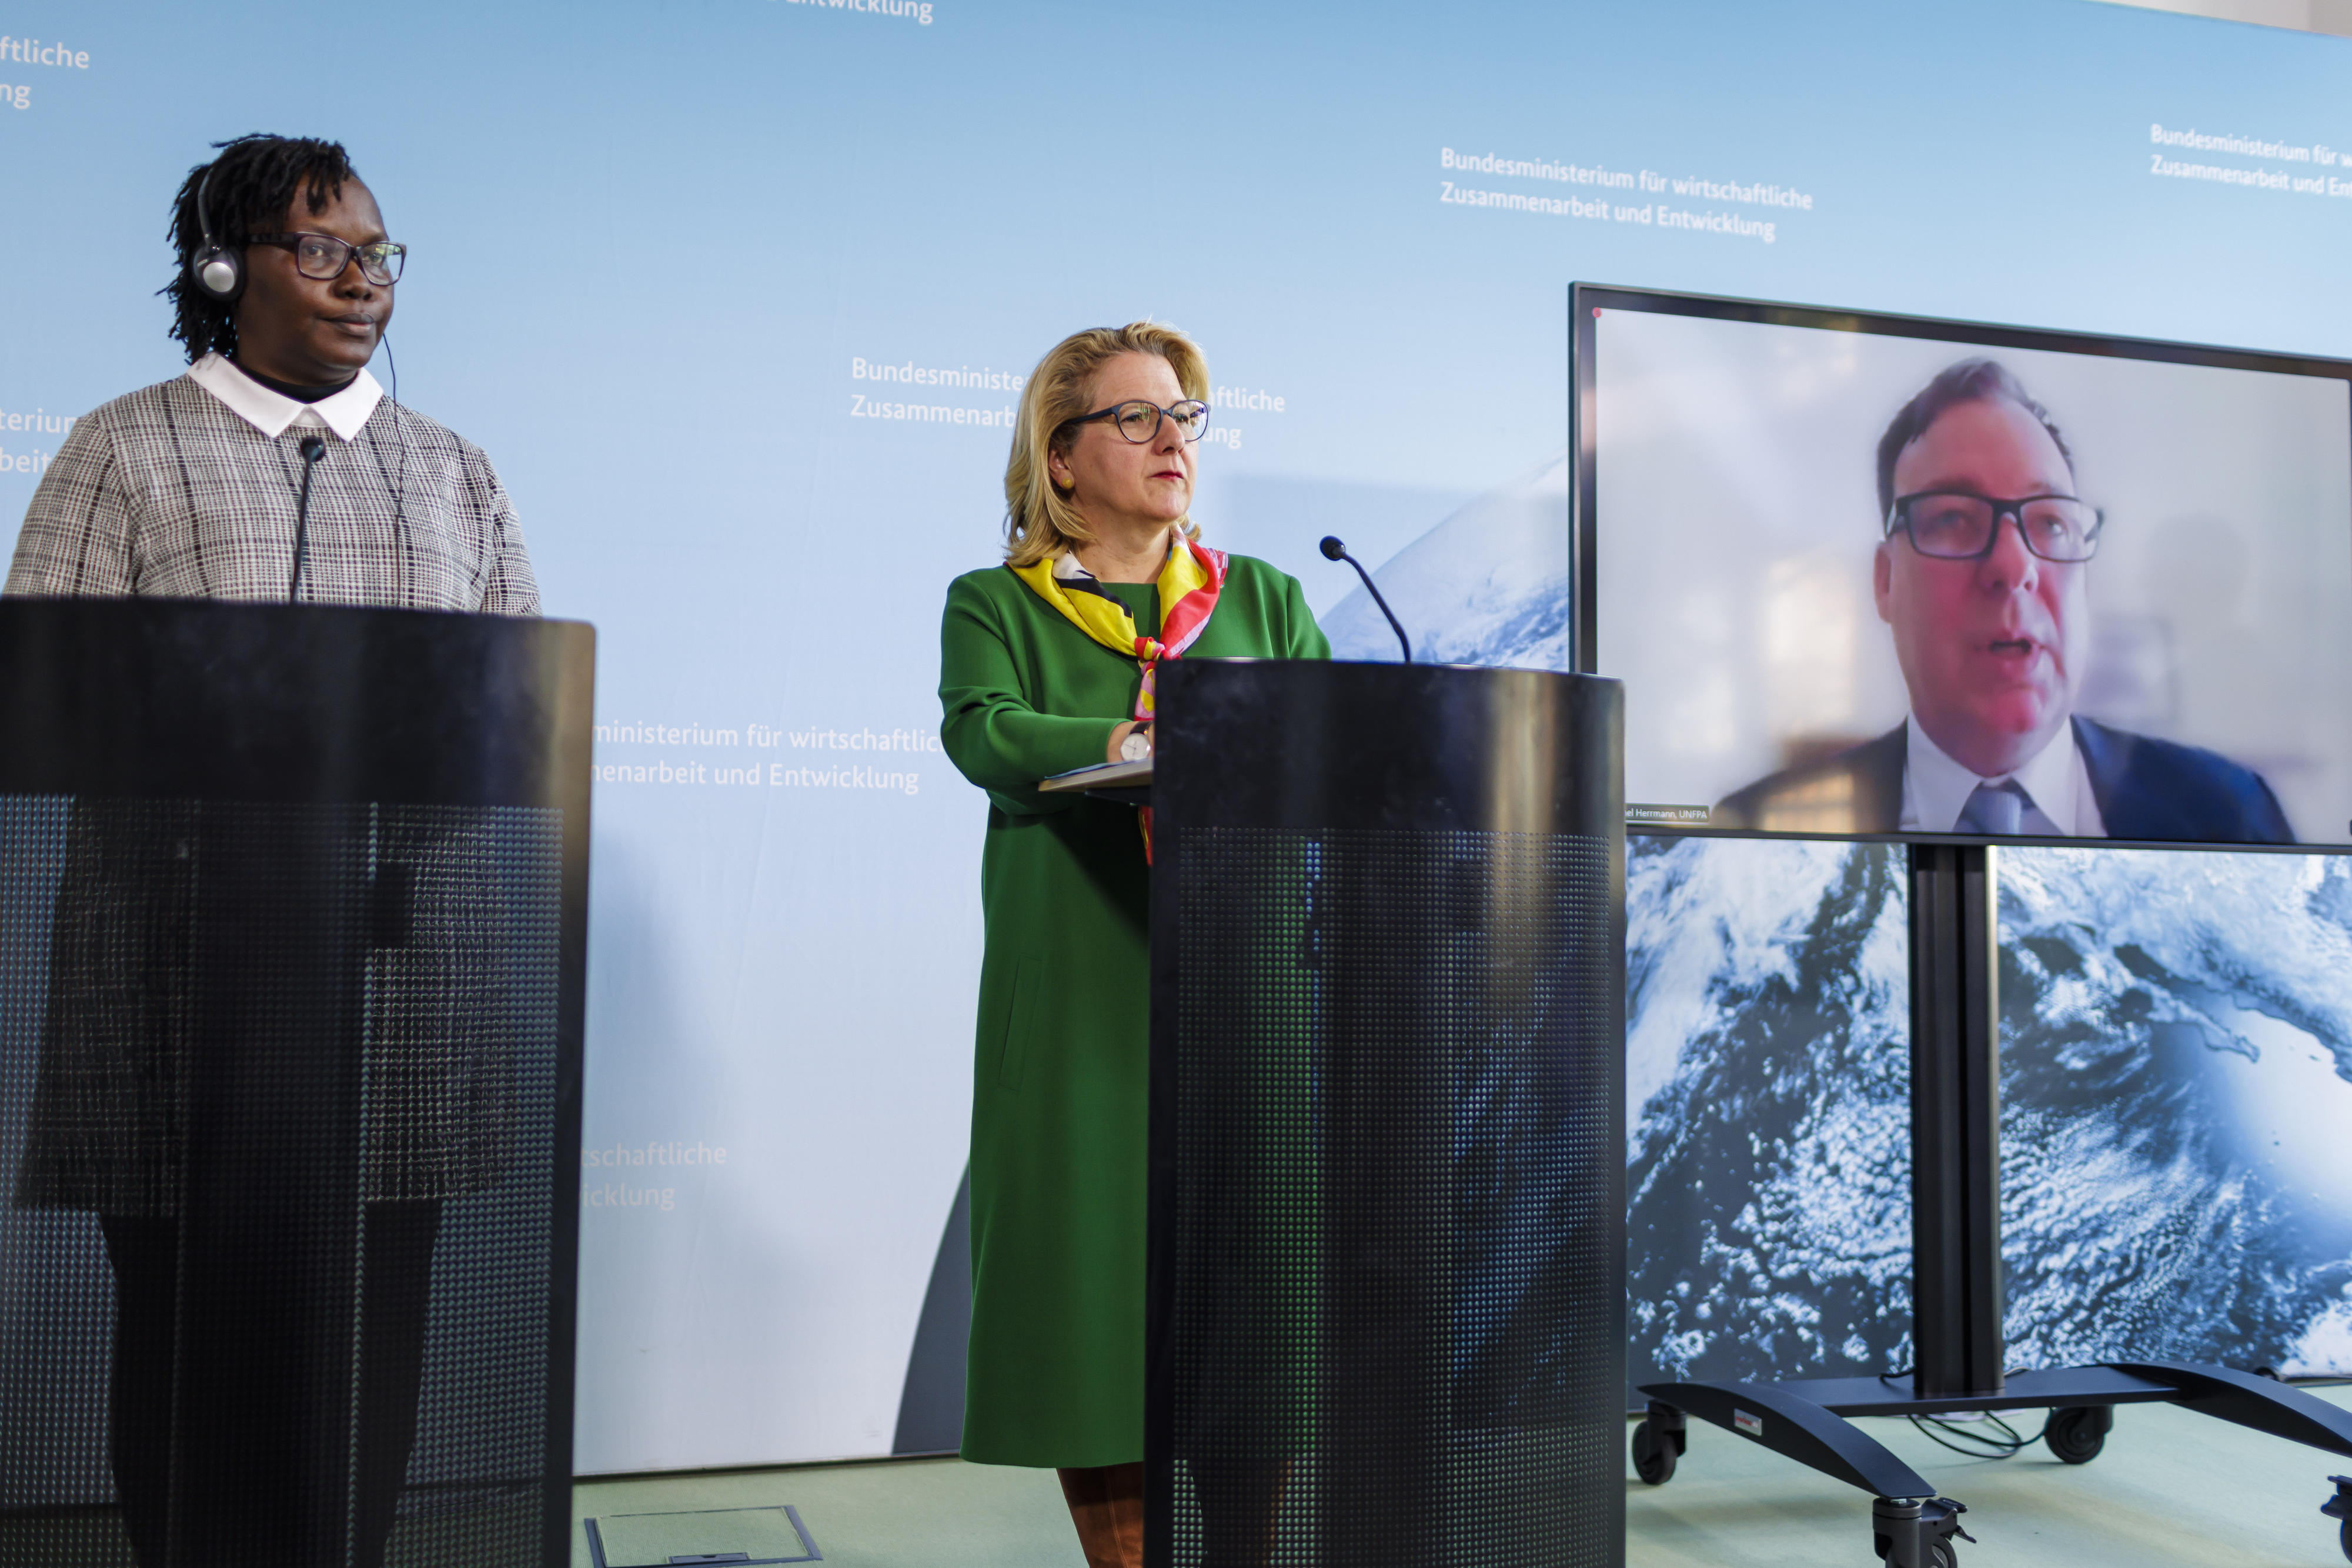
x=1056 y=1369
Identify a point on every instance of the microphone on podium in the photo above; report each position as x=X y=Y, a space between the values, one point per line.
x=1333 y=551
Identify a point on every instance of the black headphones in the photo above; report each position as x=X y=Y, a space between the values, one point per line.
x=218 y=271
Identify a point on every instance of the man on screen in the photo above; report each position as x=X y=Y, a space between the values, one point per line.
x=1982 y=576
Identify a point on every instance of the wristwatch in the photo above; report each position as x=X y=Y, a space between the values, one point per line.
x=1137 y=747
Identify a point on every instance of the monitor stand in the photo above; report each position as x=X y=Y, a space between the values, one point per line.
x=1956 y=1282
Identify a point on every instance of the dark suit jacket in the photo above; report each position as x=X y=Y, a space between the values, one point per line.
x=2147 y=789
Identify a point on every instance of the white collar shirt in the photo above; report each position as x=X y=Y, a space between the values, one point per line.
x=273 y=413
x=1936 y=789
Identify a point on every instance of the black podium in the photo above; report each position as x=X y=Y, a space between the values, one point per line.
x=292 y=944
x=1386 y=1162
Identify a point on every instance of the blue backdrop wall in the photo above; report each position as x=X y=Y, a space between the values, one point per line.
x=737 y=293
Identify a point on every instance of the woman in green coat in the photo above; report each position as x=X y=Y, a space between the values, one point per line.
x=1045 y=666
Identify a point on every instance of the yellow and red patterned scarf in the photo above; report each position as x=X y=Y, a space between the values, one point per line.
x=1188 y=585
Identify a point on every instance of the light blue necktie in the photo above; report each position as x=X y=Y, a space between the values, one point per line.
x=2003 y=809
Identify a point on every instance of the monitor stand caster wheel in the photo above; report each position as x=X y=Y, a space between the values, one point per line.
x=1941 y=1554
x=2077 y=1432
x=1658 y=1442
x=2340 y=1507
x=1653 y=1461
x=1913 y=1533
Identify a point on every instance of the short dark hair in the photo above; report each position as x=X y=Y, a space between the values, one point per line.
x=1970 y=380
x=254 y=181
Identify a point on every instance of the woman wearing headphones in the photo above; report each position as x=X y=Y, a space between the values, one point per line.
x=195 y=488
x=274 y=468
x=1046 y=664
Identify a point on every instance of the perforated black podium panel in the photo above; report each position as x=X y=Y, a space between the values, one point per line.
x=289 y=1085
x=1387 y=1249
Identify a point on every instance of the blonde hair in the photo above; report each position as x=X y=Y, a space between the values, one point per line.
x=1040 y=522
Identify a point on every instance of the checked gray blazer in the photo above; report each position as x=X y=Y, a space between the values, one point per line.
x=165 y=492
x=168 y=493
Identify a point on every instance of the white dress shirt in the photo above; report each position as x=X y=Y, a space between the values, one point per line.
x=2056 y=783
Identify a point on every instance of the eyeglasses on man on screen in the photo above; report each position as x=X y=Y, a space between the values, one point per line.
x=1956 y=525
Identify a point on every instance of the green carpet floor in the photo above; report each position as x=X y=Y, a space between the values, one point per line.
x=938 y=1513
x=2172 y=1490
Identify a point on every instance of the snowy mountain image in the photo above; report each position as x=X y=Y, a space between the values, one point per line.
x=1767 y=1116
x=2176 y=1170
x=2175 y=1071
x=1487 y=586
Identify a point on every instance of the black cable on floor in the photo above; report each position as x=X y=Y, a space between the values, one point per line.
x=1989 y=1446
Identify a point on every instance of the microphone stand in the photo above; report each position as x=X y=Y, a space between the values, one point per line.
x=312 y=450
x=1333 y=551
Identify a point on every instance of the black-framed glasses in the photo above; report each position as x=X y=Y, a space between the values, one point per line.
x=323 y=256
x=1959 y=525
x=1138 y=421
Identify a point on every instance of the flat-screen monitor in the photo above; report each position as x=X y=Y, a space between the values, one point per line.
x=1881 y=576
